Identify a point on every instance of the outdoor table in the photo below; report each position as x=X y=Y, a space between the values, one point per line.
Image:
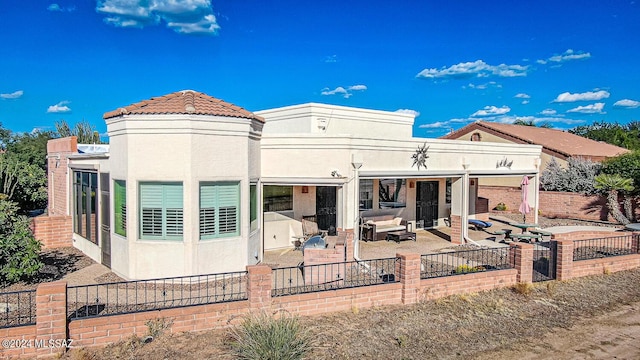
x=525 y=227
x=527 y=237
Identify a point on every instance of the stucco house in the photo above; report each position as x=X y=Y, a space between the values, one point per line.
x=190 y=184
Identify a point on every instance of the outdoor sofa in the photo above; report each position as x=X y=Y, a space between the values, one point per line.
x=376 y=226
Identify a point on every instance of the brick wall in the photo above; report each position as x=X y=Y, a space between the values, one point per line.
x=51 y=322
x=552 y=203
x=58 y=151
x=456 y=229
x=53 y=231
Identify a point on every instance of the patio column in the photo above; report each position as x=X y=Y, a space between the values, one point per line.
x=536 y=191
x=458 y=208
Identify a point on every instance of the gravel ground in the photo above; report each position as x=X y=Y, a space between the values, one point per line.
x=499 y=324
x=545 y=222
x=57 y=263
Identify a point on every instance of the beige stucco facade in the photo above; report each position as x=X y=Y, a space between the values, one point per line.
x=304 y=146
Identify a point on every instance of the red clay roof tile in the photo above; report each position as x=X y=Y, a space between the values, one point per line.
x=184 y=102
x=556 y=140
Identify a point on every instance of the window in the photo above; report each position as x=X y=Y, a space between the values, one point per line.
x=393 y=193
x=120 y=206
x=219 y=210
x=85 y=221
x=278 y=198
x=253 y=206
x=448 y=191
x=476 y=137
x=366 y=194
x=161 y=211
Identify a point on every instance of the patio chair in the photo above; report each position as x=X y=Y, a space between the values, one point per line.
x=310 y=228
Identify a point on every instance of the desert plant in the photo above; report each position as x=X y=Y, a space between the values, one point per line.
x=501 y=207
x=576 y=177
x=612 y=184
x=464 y=268
x=260 y=336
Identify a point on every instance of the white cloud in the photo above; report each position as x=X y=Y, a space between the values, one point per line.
x=566 y=56
x=548 y=112
x=483 y=86
x=13 y=95
x=185 y=16
x=525 y=102
x=586 y=96
x=589 y=109
x=358 y=87
x=331 y=59
x=477 y=68
x=522 y=96
x=60 y=107
x=491 y=111
x=627 y=103
x=58 y=8
x=408 y=111
x=345 y=92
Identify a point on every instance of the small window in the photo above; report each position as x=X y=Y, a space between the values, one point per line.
x=219 y=210
x=278 y=198
x=366 y=194
x=253 y=206
x=161 y=211
x=393 y=193
x=476 y=137
x=120 y=206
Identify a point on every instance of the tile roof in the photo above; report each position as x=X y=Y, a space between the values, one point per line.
x=559 y=141
x=184 y=102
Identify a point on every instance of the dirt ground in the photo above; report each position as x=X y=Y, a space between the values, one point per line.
x=589 y=318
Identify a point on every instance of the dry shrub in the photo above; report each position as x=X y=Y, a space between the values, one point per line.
x=523 y=288
x=261 y=336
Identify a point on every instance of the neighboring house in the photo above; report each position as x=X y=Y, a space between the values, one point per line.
x=190 y=184
x=557 y=144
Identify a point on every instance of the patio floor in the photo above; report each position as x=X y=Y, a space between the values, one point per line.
x=428 y=241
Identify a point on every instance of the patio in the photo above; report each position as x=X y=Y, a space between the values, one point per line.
x=427 y=242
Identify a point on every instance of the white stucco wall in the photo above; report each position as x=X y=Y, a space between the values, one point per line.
x=189 y=149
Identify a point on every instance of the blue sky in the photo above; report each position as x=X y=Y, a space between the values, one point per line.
x=568 y=63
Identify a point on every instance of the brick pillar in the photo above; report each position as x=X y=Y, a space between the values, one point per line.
x=349 y=242
x=408 y=268
x=523 y=261
x=259 y=286
x=456 y=229
x=51 y=315
x=564 y=259
x=635 y=242
x=58 y=151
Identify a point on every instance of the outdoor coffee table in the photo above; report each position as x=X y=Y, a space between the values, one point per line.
x=398 y=236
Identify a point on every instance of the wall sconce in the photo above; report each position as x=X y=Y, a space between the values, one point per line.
x=411 y=184
x=472 y=182
x=305 y=189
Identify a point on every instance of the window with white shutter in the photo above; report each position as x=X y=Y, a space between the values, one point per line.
x=161 y=211
x=219 y=210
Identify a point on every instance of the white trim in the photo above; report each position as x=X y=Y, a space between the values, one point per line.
x=303 y=181
x=386 y=174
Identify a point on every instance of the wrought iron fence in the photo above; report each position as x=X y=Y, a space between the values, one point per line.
x=17 y=308
x=312 y=278
x=465 y=262
x=603 y=247
x=156 y=294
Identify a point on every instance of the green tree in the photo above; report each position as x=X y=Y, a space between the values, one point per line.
x=19 y=249
x=576 y=177
x=531 y=122
x=84 y=131
x=31 y=147
x=613 y=184
x=627 y=136
x=23 y=183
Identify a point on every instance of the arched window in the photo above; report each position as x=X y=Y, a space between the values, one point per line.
x=476 y=137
